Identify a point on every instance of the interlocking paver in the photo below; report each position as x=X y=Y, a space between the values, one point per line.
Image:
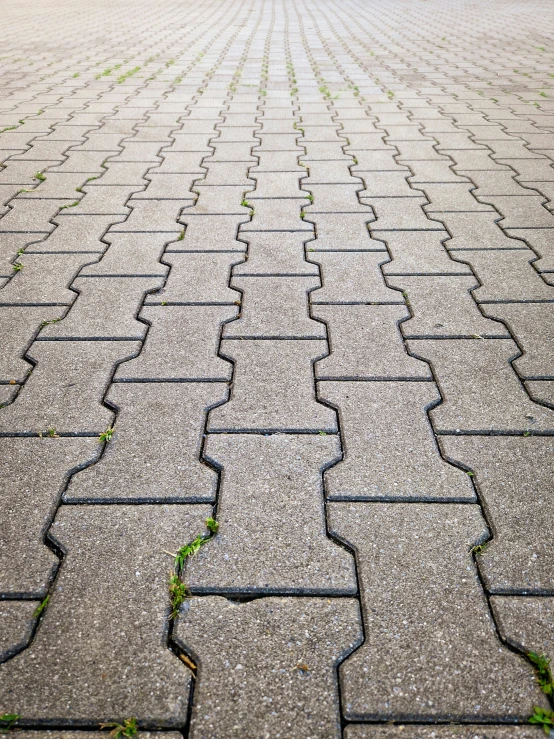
x=430 y=642
x=287 y=265
x=283 y=669
x=271 y=501
x=61 y=675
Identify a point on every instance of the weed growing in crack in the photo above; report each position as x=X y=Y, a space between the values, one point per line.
x=69 y=205
x=53 y=320
x=544 y=673
x=543 y=718
x=181 y=235
x=178 y=593
x=8 y=721
x=51 y=432
x=106 y=435
x=479 y=548
x=39 y=176
x=17 y=267
x=41 y=606
x=127 y=728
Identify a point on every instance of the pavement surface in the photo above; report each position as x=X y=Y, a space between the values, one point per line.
x=277 y=368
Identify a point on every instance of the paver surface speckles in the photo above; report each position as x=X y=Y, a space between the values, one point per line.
x=277 y=369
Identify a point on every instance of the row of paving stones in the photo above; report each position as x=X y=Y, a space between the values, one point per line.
x=373 y=282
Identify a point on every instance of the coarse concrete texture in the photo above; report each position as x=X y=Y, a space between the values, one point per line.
x=85 y=661
x=146 y=459
x=514 y=476
x=268 y=664
x=16 y=622
x=34 y=472
x=276 y=310
x=431 y=649
x=452 y=731
x=271 y=513
x=390 y=452
x=526 y=623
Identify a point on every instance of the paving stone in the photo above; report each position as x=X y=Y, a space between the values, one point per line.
x=476 y=231
x=274 y=308
x=177 y=162
x=146 y=459
x=428 y=657
x=421 y=253
x=278 y=215
x=436 y=171
x=31 y=216
x=273 y=388
x=336 y=199
x=281 y=634
x=23 y=172
x=405 y=214
x=210 y=233
x=191 y=334
x=532 y=324
x=388 y=184
x=329 y=173
x=76 y=233
x=521 y=212
x=57 y=185
x=35 y=472
x=542 y=243
x=390 y=451
x=198 y=278
x=450 y=731
x=129 y=255
x=18 y=326
x=110 y=200
x=442 y=306
x=526 y=622
x=276 y=254
x=16 y=620
x=61 y=675
x=45 y=279
x=343 y=232
x=270 y=501
x=65 y=390
x=479 y=368
x=152 y=216
x=277 y=185
x=67 y=734
x=514 y=475
x=353 y=278
x=105 y=309
x=366 y=344
x=275 y=161
x=449 y=196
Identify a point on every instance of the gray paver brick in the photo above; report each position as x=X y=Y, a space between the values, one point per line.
x=45 y=278
x=181 y=344
x=390 y=452
x=105 y=309
x=146 y=459
x=276 y=254
x=443 y=306
x=275 y=308
x=280 y=634
x=452 y=731
x=404 y=214
x=426 y=656
x=514 y=476
x=34 y=473
x=526 y=622
x=532 y=324
x=61 y=675
x=198 y=278
x=353 y=278
x=16 y=619
x=18 y=326
x=366 y=343
x=273 y=388
x=32 y=216
x=210 y=233
x=343 y=232
x=65 y=390
x=271 y=501
x=278 y=215
x=480 y=368
x=77 y=233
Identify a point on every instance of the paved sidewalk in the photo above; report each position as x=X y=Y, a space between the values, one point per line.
x=277 y=369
